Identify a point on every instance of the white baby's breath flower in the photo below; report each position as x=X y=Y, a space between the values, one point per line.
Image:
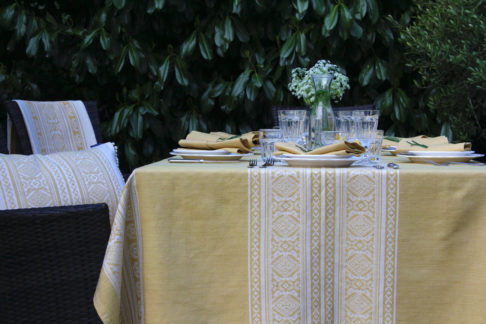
x=302 y=85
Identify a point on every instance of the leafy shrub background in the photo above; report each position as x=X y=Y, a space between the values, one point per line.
x=160 y=68
x=446 y=46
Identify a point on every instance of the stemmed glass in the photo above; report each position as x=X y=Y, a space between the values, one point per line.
x=366 y=123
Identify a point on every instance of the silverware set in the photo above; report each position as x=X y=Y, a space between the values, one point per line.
x=254 y=162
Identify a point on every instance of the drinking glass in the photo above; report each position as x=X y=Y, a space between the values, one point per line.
x=375 y=147
x=268 y=138
x=330 y=137
x=366 y=123
x=346 y=125
x=294 y=125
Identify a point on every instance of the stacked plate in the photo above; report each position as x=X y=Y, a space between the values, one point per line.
x=318 y=161
x=207 y=155
x=440 y=156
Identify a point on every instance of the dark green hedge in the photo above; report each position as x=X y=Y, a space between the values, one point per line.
x=161 y=68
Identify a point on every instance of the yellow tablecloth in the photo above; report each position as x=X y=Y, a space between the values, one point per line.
x=221 y=243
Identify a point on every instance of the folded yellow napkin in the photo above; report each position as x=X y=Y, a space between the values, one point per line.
x=252 y=137
x=393 y=141
x=205 y=141
x=430 y=144
x=340 y=148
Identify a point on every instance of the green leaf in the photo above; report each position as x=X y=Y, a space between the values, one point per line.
x=219 y=36
x=361 y=8
x=180 y=72
x=401 y=104
x=9 y=13
x=346 y=17
x=104 y=40
x=288 y=47
x=91 y=64
x=302 y=6
x=251 y=92
x=136 y=123
x=384 y=101
x=164 y=70
x=240 y=83
x=332 y=18
x=119 y=4
x=256 y=79
x=21 y=25
x=130 y=153
x=217 y=90
x=159 y=4
x=356 y=30
x=89 y=38
x=151 y=7
x=189 y=44
x=366 y=74
x=228 y=30
x=33 y=45
x=381 y=69
x=302 y=45
x=269 y=89
x=319 y=7
x=133 y=56
x=103 y=15
x=121 y=61
x=236 y=7
x=373 y=10
x=46 y=40
x=386 y=35
x=206 y=51
x=240 y=30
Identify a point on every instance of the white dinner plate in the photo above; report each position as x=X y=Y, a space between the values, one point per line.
x=440 y=159
x=319 y=163
x=441 y=153
x=200 y=152
x=211 y=157
x=316 y=156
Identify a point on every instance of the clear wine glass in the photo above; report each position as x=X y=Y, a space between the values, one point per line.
x=366 y=124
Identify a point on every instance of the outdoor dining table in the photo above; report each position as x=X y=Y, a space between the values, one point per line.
x=224 y=243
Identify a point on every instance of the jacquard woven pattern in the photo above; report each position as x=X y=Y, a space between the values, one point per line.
x=322 y=245
x=121 y=276
x=61 y=179
x=57 y=126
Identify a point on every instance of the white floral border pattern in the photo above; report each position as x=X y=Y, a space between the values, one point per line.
x=322 y=245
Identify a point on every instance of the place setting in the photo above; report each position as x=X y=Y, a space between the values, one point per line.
x=436 y=151
x=303 y=141
x=214 y=147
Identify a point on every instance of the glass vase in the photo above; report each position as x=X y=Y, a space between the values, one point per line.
x=322 y=116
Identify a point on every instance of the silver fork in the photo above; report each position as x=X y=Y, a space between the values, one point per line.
x=267 y=162
x=252 y=163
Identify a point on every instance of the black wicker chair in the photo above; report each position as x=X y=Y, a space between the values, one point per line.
x=50 y=261
x=275 y=110
x=20 y=143
x=3 y=141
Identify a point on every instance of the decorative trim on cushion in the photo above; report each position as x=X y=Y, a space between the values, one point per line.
x=60 y=179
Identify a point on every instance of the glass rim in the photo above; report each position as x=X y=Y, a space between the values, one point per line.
x=269 y=130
